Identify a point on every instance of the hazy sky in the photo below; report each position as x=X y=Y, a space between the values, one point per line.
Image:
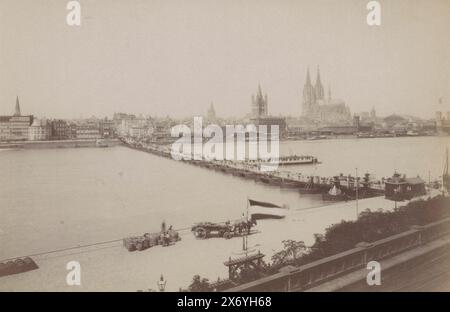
x=176 y=56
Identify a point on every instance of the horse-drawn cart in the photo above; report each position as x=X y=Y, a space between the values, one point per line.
x=226 y=230
x=163 y=238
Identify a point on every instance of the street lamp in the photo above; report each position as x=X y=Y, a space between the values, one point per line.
x=357 y=186
x=161 y=283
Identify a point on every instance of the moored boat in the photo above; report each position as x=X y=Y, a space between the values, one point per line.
x=101 y=143
x=16 y=266
x=335 y=194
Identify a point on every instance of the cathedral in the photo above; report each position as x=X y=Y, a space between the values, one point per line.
x=319 y=109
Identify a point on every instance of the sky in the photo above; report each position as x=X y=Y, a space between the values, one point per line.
x=175 y=57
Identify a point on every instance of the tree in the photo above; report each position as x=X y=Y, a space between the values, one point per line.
x=292 y=251
x=199 y=284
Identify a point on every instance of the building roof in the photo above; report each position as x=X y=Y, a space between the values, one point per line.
x=394 y=118
x=416 y=180
x=26 y=118
x=39 y=123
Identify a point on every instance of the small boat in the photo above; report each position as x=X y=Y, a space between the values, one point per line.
x=316 y=137
x=16 y=266
x=366 y=136
x=101 y=143
x=335 y=194
x=412 y=133
x=295 y=160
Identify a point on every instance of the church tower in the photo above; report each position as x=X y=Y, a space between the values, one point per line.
x=259 y=104
x=329 y=94
x=211 y=114
x=318 y=88
x=17 y=109
x=309 y=96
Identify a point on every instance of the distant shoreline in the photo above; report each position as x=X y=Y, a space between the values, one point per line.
x=114 y=142
x=58 y=144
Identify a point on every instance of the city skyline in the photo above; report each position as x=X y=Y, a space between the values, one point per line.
x=170 y=58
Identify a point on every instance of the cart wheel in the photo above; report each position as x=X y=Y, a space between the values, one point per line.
x=227 y=235
x=201 y=233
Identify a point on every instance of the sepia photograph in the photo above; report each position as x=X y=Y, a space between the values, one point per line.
x=224 y=146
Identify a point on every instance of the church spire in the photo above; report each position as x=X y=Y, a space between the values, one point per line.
x=211 y=114
x=309 y=97
x=319 y=87
x=17 y=109
x=308 y=78
x=259 y=103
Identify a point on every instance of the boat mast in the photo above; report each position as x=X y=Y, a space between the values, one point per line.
x=446 y=162
x=445 y=176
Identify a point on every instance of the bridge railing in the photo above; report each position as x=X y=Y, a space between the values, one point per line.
x=320 y=271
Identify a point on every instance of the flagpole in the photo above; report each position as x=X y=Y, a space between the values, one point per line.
x=247 y=208
x=246 y=234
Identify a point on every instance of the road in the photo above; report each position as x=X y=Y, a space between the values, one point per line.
x=430 y=275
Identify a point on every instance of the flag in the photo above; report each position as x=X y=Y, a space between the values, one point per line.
x=265 y=210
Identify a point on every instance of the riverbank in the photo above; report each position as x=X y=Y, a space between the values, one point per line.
x=60 y=144
x=110 y=267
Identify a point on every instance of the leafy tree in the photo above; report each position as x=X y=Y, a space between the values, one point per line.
x=292 y=250
x=199 y=284
x=370 y=226
x=247 y=274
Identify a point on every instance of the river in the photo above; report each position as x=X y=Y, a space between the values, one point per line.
x=52 y=199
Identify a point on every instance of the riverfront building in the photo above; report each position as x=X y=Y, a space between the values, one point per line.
x=40 y=130
x=61 y=130
x=443 y=122
x=88 y=132
x=399 y=188
x=15 y=127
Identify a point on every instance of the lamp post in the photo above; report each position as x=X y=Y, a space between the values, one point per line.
x=161 y=283
x=357 y=186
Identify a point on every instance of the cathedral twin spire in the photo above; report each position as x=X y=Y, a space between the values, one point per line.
x=312 y=93
x=319 y=87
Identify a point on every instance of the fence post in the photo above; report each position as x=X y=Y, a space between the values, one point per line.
x=365 y=246
x=419 y=229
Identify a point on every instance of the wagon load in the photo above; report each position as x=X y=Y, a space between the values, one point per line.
x=148 y=240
